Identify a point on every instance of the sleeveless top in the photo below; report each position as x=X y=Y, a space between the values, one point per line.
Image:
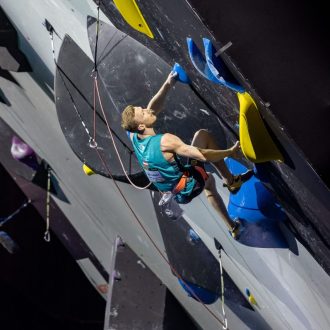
x=163 y=174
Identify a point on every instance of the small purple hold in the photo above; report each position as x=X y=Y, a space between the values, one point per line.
x=23 y=153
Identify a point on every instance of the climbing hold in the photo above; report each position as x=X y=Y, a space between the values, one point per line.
x=103 y=288
x=253 y=202
x=256 y=143
x=19 y=149
x=88 y=171
x=8 y=243
x=116 y=275
x=198 y=61
x=23 y=153
x=119 y=242
x=211 y=67
x=182 y=75
x=133 y=16
x=218 y=68
x=193 y=236
x=198 y=293
x=250 y=296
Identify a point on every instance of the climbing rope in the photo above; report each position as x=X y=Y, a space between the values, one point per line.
x=248 y=267
x=114 y=143
x=97 y=34
x=47 y=232
x=135 y=215
x=206 y=103
x=225 y=325
x=192 y=293
x=92 y=142
x=92 y=139
x=96 y=89
x=9 y=217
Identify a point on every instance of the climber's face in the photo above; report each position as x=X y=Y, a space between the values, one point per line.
x=144 y=117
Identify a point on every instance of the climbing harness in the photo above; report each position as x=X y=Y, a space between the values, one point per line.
x=182 y=183
x=153 y=242
x=169 y=195
x=133 y=212
x=47 y=232
x=97 y=150
x=187 y=173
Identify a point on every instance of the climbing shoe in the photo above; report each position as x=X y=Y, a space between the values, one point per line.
x=238 y=180
x=237 y=229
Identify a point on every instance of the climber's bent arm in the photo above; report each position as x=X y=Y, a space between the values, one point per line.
x=172 y=143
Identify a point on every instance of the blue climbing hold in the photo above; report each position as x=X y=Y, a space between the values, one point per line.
x=218 y=68
x=253 y=202
x=198 y=293
x=198 y=61
x=211 y=67
x=182 y=75
x=193 y=236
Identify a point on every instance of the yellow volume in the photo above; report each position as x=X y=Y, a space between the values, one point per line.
x=88 y=171
x=256 y=143
x=133 y=16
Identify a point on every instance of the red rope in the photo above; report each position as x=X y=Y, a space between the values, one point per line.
x=114 y=143
x=135 y=215
x=152 y=241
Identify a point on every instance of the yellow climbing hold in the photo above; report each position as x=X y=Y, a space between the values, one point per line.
x=252 y=300
x=88 y=171
x=256 y=143
x=250 y=297
x=133 y=16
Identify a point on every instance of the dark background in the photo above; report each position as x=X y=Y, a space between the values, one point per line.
x=41 y=286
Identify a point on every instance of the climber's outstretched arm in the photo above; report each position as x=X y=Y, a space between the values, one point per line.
x=157 y=102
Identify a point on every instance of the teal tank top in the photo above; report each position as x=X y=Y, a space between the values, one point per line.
x=163 y=174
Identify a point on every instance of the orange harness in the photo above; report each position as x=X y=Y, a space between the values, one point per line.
x=184 y=178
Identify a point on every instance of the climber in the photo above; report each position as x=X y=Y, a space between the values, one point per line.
x=158 y=155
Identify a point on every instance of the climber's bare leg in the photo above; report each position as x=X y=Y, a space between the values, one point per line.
x=204 y=140
x=216 y=201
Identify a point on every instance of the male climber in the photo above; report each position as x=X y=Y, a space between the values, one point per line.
x=158 y=155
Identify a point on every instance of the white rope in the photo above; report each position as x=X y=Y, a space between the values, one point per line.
x=225 y=325
x=114 y=143
x=47 y=232
x=92 y=141
x=105 y=118
x=136 y=217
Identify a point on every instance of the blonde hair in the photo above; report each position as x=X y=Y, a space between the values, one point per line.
x=128 y=121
